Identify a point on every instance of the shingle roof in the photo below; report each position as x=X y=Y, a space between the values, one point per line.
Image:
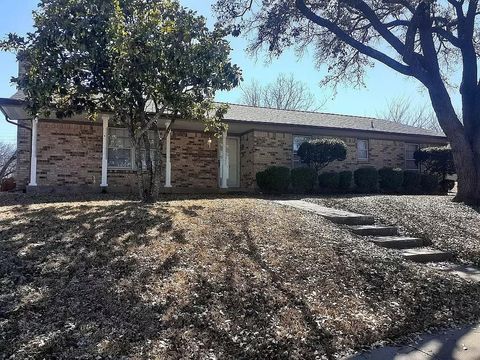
x=262 y=115
x=322 y=120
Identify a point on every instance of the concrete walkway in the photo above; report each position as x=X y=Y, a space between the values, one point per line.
x=460 y=344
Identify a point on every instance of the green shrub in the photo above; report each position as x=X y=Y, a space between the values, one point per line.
x=390 y=180
x=303 y=180
x=436 y=160
x=319 y=153
x=274 y=179
x=412 y=181
x=429 y=183
x=345 y=180
x=366 y=179
x=329 y=180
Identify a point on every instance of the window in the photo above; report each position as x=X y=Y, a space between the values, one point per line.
x=299 y=140
x=362 y=150
x=409 y=156
x=120 y=150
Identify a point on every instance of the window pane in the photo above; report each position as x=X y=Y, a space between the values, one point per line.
x=120 y=158
x=362 y=149
x=410 y=156
x=299 y=140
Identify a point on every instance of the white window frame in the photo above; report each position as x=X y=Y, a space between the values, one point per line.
x=407 y=160
x=132 y=153
x=367 y=149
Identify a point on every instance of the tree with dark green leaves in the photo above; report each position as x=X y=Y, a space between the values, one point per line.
x=141 y=60
x=421 y=39
x=321 y=152
x=437 y=161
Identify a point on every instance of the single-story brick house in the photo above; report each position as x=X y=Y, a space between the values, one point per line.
x=80 y=155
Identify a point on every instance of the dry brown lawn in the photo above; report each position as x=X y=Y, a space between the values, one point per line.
x=444 y=224
x=231 y=278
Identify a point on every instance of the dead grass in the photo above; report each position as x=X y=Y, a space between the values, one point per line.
x=204 y=279
x=446 y=225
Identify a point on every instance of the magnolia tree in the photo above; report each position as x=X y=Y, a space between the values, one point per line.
x=421 y=39
x=140 y=60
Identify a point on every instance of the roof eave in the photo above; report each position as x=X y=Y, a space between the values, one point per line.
x=332 y=128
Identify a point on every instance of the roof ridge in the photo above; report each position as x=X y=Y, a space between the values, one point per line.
x=303 y=111
x=326 y=113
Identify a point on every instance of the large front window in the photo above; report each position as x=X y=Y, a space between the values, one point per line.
x=410 y=156
x=120 y=149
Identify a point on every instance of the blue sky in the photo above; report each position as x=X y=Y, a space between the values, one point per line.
x=382 y=84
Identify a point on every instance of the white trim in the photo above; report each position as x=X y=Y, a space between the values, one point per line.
x=104 y=182
x=417 y=168
x=367 y=142
x=168 y=162
x=224 y=162
x=33 y=159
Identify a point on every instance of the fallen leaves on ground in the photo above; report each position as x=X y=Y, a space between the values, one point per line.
x=446 y=225
x=228 y=278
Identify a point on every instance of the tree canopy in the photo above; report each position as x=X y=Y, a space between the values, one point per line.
x=321 y=152
x=140 y=60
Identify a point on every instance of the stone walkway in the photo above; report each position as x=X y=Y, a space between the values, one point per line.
x=459 y=344
x=411 y=248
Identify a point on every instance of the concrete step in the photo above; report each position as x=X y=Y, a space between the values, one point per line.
x=398 y=242
x=334 y=215
x=374 y=230
x=426 y=255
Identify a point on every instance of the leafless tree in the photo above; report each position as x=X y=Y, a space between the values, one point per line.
x=8 y=158
x=285 y=93
x=401 y=110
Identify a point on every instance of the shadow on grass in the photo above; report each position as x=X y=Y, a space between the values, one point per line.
x=69 y=280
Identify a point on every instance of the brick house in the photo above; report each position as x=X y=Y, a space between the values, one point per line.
x=81 y=155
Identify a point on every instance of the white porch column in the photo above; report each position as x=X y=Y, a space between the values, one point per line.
x=224 y=165
x=33 y=159
x=104 y=182
x=168 y=163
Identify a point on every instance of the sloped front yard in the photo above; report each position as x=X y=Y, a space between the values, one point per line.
x=204 y=279
x=446 y=225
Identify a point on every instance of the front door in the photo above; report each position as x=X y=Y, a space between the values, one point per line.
x=233 y=161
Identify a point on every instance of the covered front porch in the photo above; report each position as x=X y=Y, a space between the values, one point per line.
x=76 y=155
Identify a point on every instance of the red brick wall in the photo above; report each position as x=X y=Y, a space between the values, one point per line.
x=70 y=154
x=194 y=161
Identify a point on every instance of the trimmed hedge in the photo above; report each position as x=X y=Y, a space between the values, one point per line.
x=321 y=152
x=390 y=180
x=329 y=180
x=366 y=179
x=412 y=181
x=303 y=180
x=345 y=180
x=275 y=179
x=429 y=183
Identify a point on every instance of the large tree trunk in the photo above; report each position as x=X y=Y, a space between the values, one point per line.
x=468 y=170
x=465 y=145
